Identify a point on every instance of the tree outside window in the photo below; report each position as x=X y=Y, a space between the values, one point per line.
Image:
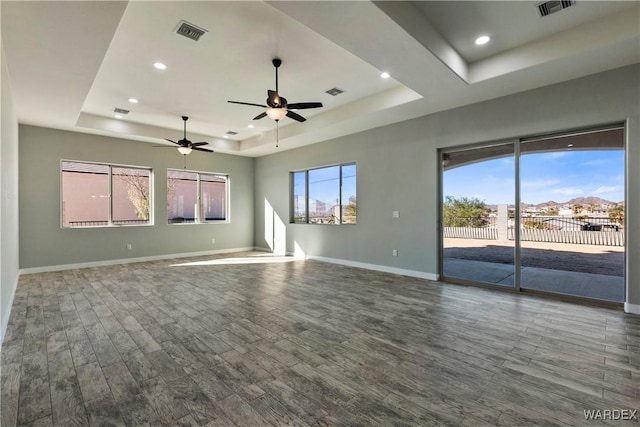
x=465 y=212
x=95 y=195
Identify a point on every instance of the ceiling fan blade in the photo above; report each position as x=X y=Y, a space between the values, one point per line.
x=177 y=143
x=295 y=116
x=304 y=105
x=163 y=146
x=203 y=149
x=247 y=103
x=259 y=116
x=273 y=99
x=195 y=144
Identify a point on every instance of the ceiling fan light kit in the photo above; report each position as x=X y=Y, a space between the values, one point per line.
x=276 y=113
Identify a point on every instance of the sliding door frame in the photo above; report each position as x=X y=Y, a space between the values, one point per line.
x=517 y=288
x=516 y=256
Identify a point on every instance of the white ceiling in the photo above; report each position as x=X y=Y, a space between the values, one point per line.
x=72 y=63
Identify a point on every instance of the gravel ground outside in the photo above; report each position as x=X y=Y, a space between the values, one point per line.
x=594 y=259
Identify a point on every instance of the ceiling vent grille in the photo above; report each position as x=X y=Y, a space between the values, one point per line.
x=334 y=91
x=553 y=6
x=120 y=111
x=190 y=31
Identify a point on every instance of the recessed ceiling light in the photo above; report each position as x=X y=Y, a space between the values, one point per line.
x=159 y=66
x=133 y=100
x=226 y=136
x=118 y=116
x=385 y=75
x=482 y=40
x=251 y=126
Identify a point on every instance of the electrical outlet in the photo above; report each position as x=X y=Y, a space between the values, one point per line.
x=213 y=241
x=396 y=214
x=129 y=246
x=395 y=252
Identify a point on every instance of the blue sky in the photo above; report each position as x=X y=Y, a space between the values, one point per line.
x=324 y=183
x=559 y=176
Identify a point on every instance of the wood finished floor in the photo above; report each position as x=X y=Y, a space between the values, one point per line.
x=190 y=342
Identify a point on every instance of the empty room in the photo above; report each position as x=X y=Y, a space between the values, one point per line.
x=242 y=213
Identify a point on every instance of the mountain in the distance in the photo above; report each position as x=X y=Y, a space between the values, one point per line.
x=549 y=203
x=591 y=200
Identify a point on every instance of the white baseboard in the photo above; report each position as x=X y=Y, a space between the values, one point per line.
x=376 y=267
x=296 y=255
x=632 y=308
x=7 y=314
x=50 y=268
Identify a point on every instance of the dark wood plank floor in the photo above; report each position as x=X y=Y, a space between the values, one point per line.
x=223 y=341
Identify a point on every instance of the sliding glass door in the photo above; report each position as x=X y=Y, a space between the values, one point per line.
x=478 y=200
x=571 y=214
x=543 y=214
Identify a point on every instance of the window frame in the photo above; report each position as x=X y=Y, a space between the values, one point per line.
x=197 y=220
x=292 y=195
x=110 y=221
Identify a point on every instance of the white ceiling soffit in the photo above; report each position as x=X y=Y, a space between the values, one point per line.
x=376 y=32
x=510 y=24
x=52 y=64
x=535 y=41
x=71 y=63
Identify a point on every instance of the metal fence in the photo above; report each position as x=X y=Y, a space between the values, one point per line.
x=577 y=223
x=471 y=233
x=472 y=228
x=580 y=230
x=605 y=238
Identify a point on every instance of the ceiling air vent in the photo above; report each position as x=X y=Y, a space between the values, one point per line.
x=334 y=91
x=553 y=6
x=190 y=31
x=120 y=111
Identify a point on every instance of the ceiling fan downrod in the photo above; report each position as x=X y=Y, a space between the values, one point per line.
x=276 y=63
x=185 y=118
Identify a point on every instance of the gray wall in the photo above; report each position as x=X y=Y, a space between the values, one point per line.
x=44 y=243
x=398 y=170
x=9 y=196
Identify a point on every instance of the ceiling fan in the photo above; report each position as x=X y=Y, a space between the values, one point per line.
x=184 y=145
x=277 y=106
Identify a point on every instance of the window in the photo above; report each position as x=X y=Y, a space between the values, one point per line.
x=194 y=197
x=98 y=195
x=324 y=195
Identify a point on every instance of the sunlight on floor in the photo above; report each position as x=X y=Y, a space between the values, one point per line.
x=257 y=259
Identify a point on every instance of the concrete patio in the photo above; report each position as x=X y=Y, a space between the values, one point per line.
x=588 y=271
